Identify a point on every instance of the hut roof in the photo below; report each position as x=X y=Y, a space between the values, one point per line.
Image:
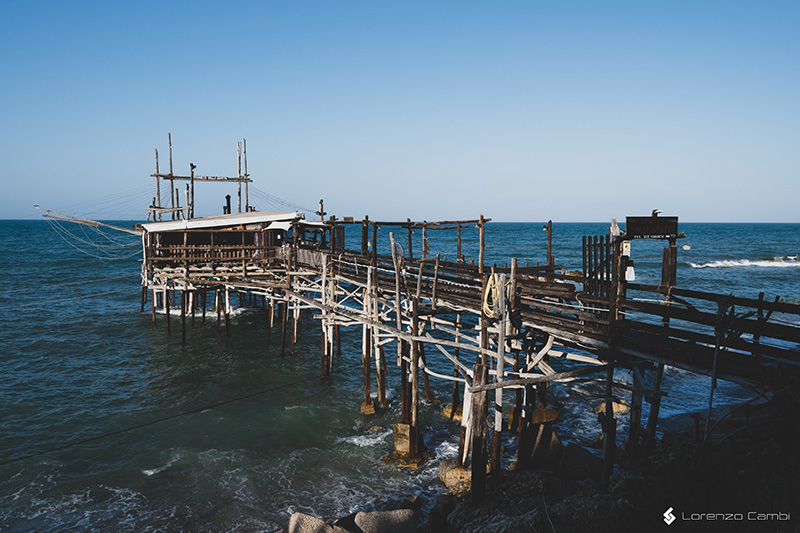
x=221 y=221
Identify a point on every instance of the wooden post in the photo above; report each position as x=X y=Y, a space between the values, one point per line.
x=414 y=377
x=323 y=344
x=484 y=340
x=459 y=255
x=218 y=307
x=166 y=307
x=171 y=181
x=365 y=236
x=550 y=258
x=366 y=350
x=512 y=302
x=227 y=312
x=324 y=352
x=374 y=243
x=609 y=425
x=410 y=242
x=635 y=425
x=405 y=388
x=380 y=374
x=293 y=337
x=239 y=175
x=502 y=325
x=190 y=202
x=154 y=305
x=398 y=311
x=192 y=305
x=284 y=318
x=655 y=405
x=157 y=203
x=245 y=175
x=424 y=240
x=479 y=434
x=482 y=242
x=183 y=316
x=455 y=397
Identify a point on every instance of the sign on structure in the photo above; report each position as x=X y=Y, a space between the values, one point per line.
x=652 y=227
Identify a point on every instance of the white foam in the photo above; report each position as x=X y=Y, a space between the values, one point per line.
x=372 y=439
x=778 y=262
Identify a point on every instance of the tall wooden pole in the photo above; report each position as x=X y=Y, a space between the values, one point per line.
x=246 y=188
x=482 y=242
x=171 y=181
x=502 y=324
x=239 y=175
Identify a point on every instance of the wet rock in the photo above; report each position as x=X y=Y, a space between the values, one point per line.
x=397 y=521
x=413 y=502
x=305 y=523
x=452 y=474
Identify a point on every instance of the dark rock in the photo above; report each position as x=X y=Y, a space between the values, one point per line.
x=579 y=463
x=547 y=448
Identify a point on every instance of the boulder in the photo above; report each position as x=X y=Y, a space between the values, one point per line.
x=305 y=523
x=452 y=474
x=397 y=521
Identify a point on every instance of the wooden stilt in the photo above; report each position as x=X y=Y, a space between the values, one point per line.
x=480 y=435
x=455 y=398
x=502 y=325
x=609 y=425
x=635 y=424
x=414 y=378
x=183 y=316
x=284 y=318
x=655 y=405
x=227 y=312
x=366 y=353
x=405 y=385
x=218 y=307
x=323 y=348
x=293 y=336
x=166 y=308
x=192 y=305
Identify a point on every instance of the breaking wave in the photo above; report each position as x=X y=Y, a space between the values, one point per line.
x=778 y=262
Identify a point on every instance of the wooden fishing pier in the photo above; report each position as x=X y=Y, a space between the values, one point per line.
x=493 y=331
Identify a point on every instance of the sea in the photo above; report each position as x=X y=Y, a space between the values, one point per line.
x=108 y=423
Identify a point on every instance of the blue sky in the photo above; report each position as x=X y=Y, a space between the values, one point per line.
x=522 y=111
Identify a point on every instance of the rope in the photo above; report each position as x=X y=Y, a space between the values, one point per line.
x=490 y=295
x=276 y=202
x=69 y=237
